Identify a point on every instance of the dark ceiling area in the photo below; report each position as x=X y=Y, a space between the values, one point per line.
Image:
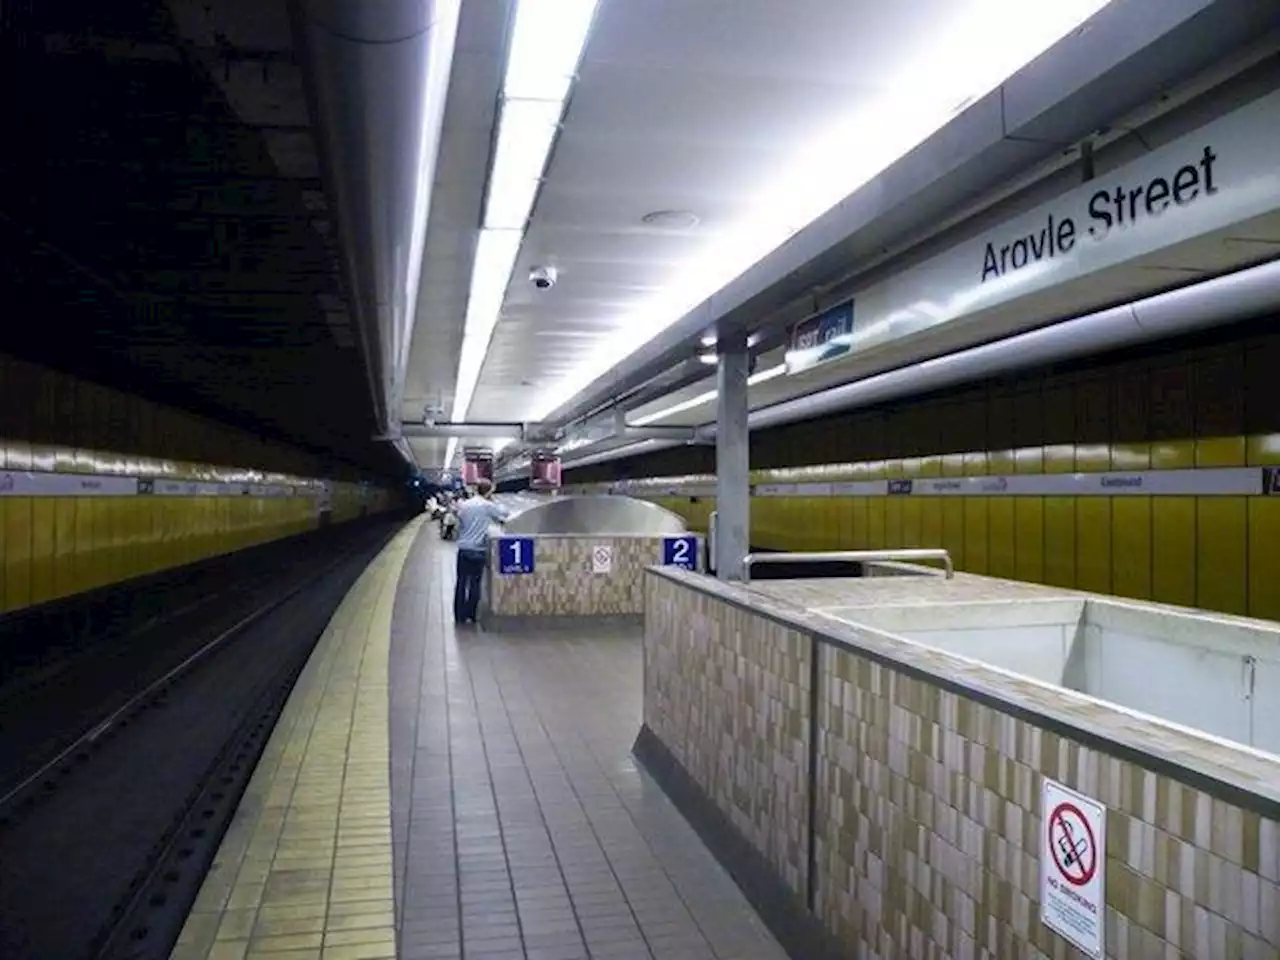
x=163 y=226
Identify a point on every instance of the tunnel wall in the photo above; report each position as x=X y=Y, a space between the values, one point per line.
x=97 y=487
x=1199 y=404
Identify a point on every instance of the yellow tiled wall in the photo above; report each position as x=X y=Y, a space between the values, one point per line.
x=1215 y=552
x=52 y=547
x=1207 y=404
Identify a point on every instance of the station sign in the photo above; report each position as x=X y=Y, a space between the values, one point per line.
x=1073 y=847
x=544 y=470
x=680 y=552
x=515 y=556
x=821 y=338
x=1192 y=187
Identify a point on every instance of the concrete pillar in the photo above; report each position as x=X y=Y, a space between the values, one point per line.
x=733 y=493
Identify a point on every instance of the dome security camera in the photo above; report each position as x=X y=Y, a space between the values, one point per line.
x=544 y=278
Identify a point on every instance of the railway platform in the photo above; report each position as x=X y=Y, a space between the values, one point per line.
x=433 y=793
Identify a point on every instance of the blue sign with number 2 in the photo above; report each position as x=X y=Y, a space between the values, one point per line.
x=680 y=552
x=515 y=555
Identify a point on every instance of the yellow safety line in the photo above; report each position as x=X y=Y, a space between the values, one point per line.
x=305 y=868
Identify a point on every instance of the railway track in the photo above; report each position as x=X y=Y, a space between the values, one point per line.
x=120 y=770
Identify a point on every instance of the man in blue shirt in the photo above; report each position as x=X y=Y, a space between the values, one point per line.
x=475 y=514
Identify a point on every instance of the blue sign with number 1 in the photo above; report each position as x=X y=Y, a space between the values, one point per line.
x=515 y=555
x=680 y=552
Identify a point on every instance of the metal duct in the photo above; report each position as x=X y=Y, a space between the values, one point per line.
x=1235 y=296
x=378 y=78
x=487 y=431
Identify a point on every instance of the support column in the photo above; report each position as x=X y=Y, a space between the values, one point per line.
x=733 y=494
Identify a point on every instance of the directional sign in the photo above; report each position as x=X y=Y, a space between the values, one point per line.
x=1073 y=900
x=602 y=558
x=515 y=556
x=680 y=552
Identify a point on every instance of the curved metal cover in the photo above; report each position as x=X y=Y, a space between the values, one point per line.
x=591 y=516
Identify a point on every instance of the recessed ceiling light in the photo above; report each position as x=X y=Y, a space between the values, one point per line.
x=671 y=219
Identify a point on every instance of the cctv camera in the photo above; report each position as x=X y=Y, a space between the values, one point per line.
x=544 y=278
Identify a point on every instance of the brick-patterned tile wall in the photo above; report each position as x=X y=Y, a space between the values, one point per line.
x=728 y=694
x=563 y=583
x=929 y=825
x=927 y=807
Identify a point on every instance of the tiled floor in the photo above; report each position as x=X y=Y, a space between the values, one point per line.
x=523 y=829
x=520 y=826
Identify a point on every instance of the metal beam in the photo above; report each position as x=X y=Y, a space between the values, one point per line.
x=487 y=431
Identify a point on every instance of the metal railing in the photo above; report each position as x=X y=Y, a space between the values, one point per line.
x=855 y=556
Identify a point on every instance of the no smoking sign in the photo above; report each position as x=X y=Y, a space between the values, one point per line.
x=1073 y=900
x=1072 y=844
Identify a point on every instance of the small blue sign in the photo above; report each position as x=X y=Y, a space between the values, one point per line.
x=680 y=552
x=515 y=555
x=821 y=338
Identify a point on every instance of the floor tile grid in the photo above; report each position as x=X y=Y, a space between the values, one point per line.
x=562 y=845
x=304 y=870
x=428 y=901
x=684 y=905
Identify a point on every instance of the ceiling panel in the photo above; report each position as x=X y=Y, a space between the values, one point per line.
x=677 y=106
x=700 y=107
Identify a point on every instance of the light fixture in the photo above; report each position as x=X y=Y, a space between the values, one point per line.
x=545 y=51
x=671 y=219
x=697 y=401
x=710 y=359
x=958 y=65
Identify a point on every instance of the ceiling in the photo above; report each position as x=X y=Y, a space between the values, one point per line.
x=165 y=221
x=707 y=108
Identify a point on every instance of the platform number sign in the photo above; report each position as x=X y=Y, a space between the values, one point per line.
x=680 y=552
x=515 y=555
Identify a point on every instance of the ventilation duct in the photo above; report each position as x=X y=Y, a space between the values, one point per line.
x=378 y=77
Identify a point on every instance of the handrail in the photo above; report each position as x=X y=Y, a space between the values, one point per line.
x=863 y=556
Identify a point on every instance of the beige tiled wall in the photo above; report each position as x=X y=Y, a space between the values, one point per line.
x=928 y=799
x=563 y=584
x=728 y=695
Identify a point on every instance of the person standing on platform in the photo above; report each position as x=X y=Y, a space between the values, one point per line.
x=475 y=514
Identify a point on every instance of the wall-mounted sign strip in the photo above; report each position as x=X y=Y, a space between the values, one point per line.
x=33 y=483
x=1203 y=482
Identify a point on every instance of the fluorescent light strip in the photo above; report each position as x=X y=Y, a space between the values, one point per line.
x=761 y=377
x=546 y=46
x=526 y=130
x=545 y=51
x=849 y=152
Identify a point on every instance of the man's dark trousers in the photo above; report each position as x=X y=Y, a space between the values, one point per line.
x=466 y=593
